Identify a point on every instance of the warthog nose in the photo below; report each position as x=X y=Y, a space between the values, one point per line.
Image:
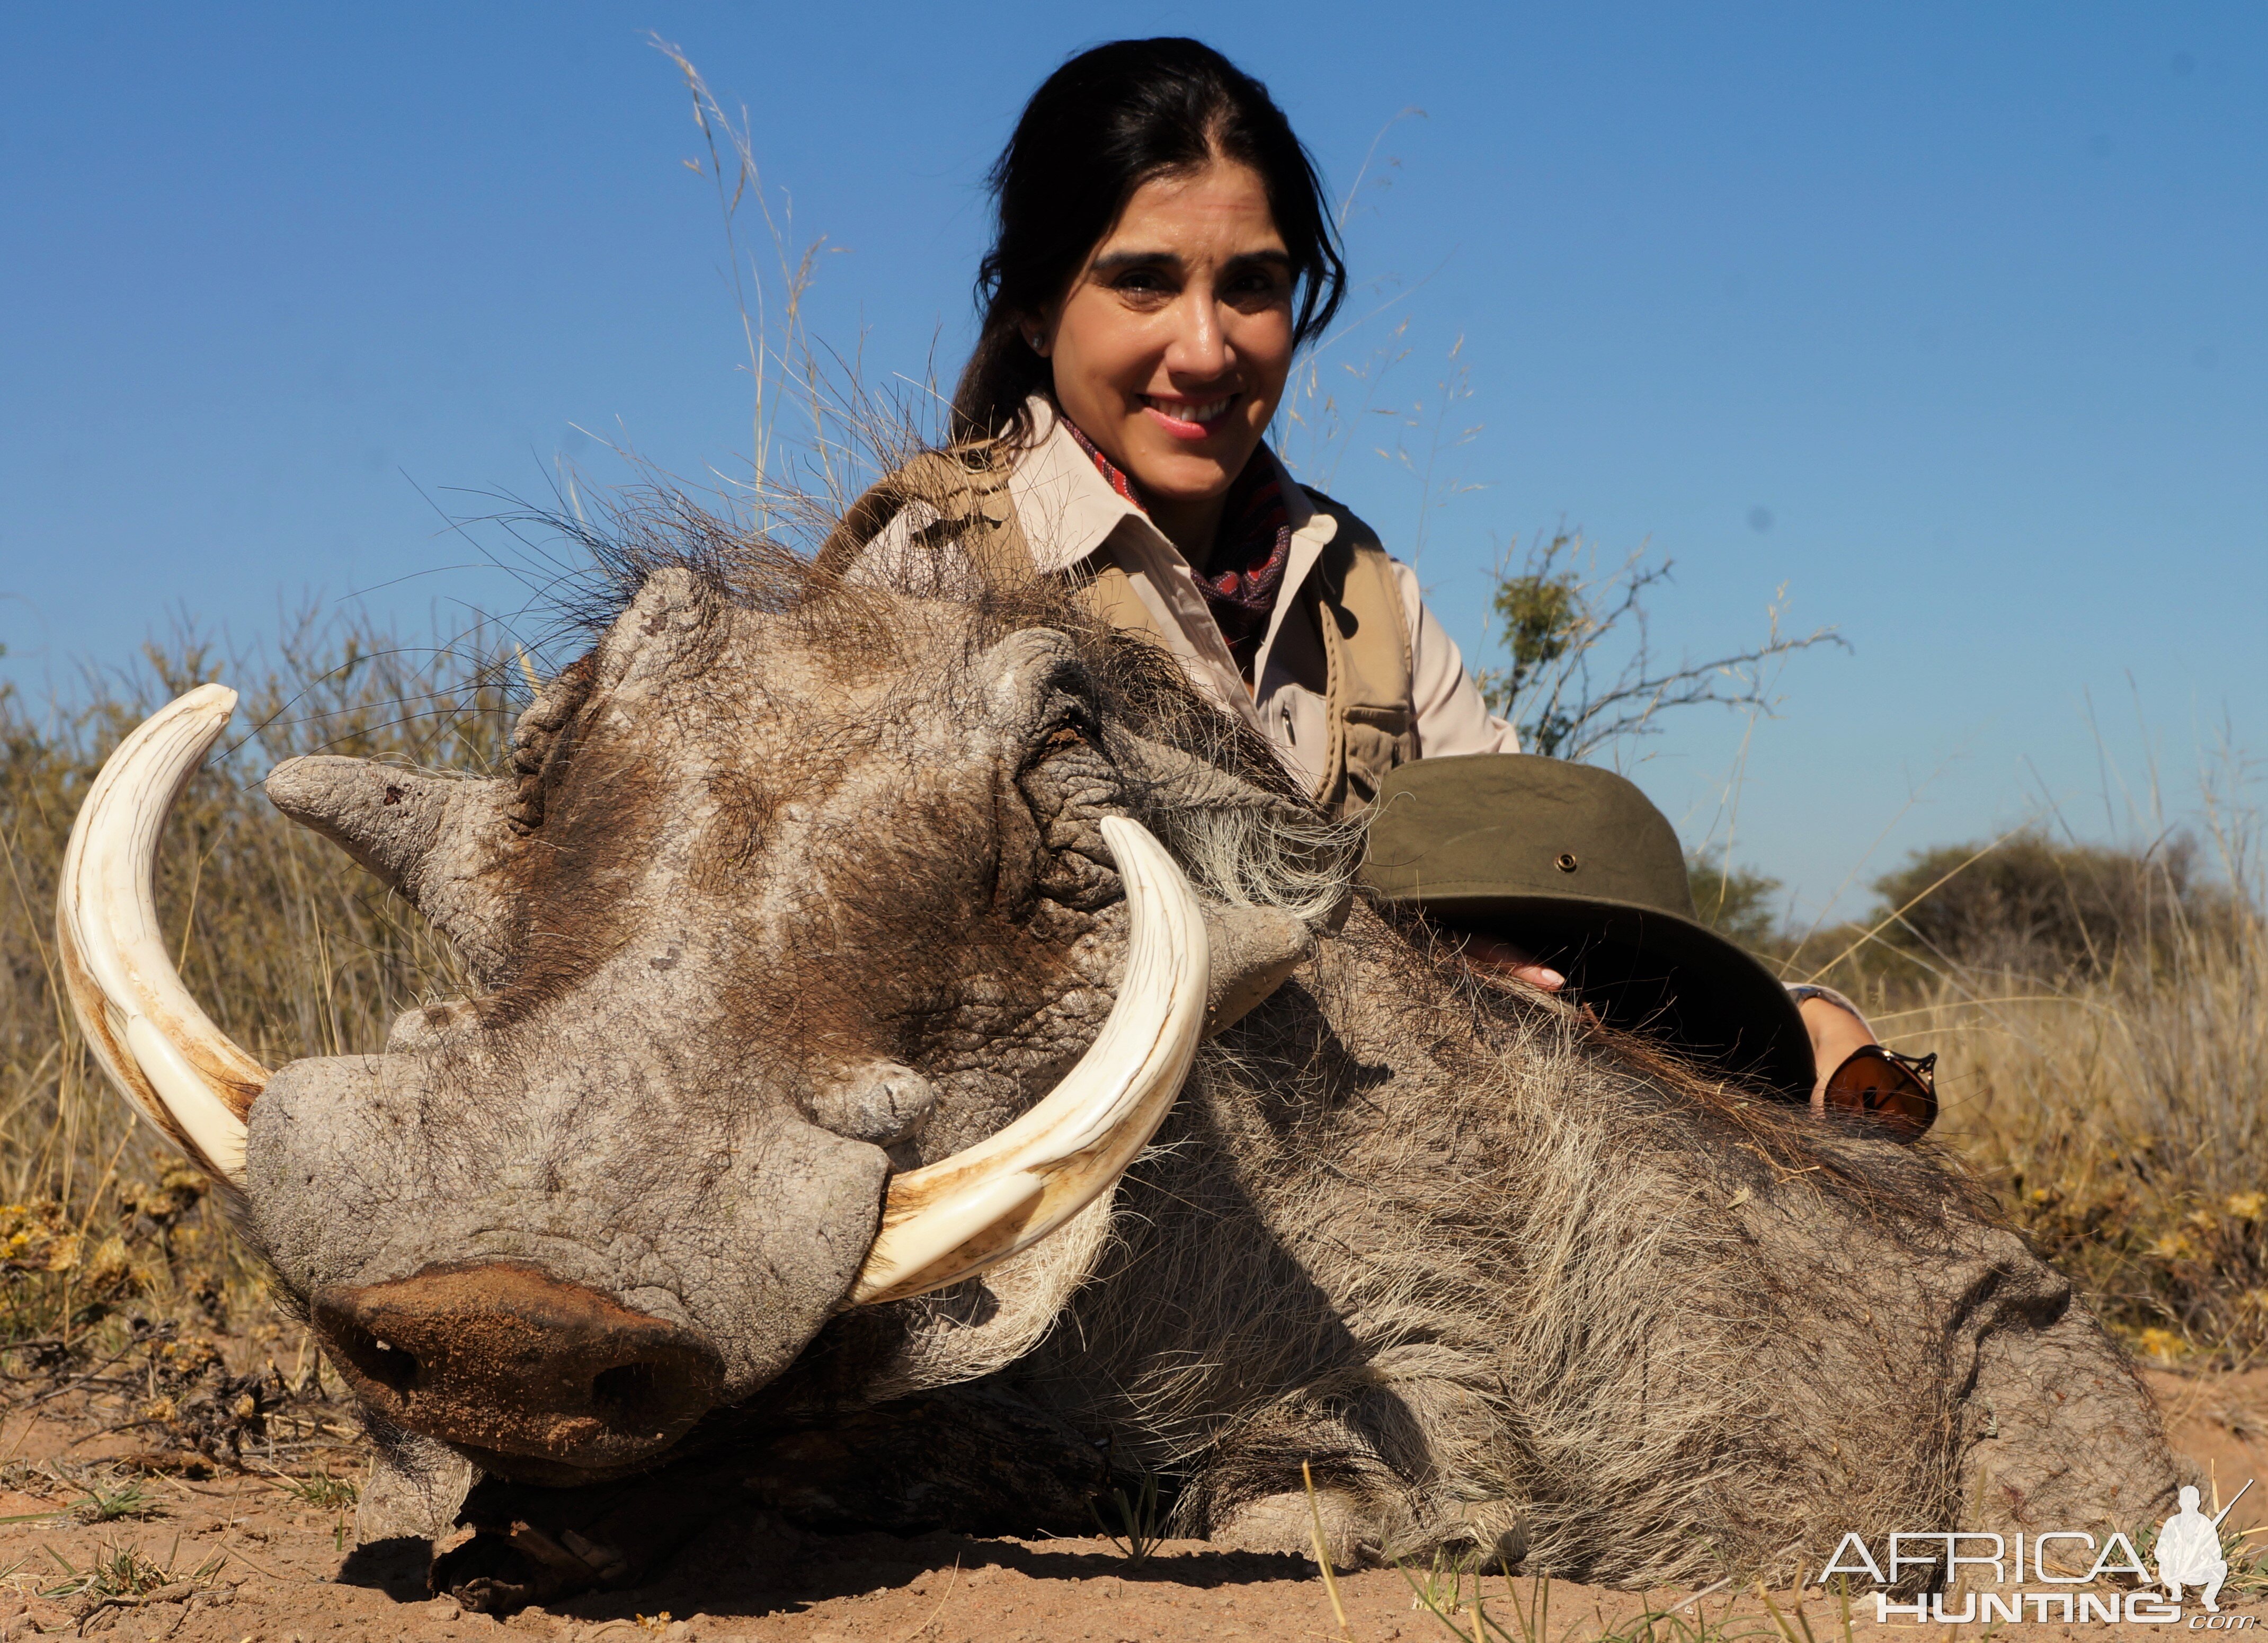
x=506 y=1359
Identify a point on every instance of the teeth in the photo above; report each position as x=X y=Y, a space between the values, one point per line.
x=1205 y=412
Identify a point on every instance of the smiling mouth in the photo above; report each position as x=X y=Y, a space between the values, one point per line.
x=1190 y=418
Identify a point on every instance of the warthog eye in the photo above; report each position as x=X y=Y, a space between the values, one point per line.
x=1061 y=737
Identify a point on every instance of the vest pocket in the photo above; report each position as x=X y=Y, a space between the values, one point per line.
x=1377 y=740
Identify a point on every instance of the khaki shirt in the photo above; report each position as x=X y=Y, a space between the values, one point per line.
x=1068 y=511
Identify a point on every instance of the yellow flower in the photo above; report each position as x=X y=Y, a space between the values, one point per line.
x=2174 y=1247
x=187 y=1359
x=2246 y=1207
x=2162 y=1345
x=110 y=1271
x=35 y=1238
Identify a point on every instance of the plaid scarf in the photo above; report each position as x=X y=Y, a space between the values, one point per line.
x=1245 y=572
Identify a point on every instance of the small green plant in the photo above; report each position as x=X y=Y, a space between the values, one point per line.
x=322 y=1491
x=1441 y=1588
x=124 y=1572
x=1440 y=1591
x=1140 y=1520
x=131 y=1499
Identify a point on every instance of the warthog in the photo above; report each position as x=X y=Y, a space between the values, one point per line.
x=838 y=949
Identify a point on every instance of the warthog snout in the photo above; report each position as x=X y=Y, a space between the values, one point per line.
x=503 y=1358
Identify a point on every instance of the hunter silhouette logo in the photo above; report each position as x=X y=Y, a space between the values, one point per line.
x=2187 y=1548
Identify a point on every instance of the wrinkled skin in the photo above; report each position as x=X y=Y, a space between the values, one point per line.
x=753 y=958
x=791 y=893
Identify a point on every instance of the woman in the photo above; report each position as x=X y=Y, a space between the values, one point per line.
x=1163 y=250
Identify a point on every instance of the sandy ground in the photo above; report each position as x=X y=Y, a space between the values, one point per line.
x=233 y=1558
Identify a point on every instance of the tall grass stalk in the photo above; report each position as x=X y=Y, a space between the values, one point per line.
x=292 y=949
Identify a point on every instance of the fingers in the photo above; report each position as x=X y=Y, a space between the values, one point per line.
x=1540 y=976
x=1502 y=958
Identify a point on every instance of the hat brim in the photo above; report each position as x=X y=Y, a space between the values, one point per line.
x=1655 y=972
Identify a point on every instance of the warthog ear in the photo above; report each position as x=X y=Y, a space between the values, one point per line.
x=440 y=841
x=671 y=628
x=1254 y=950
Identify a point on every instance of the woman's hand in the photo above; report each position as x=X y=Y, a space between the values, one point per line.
x=1500 y=957
x=1835 y=1030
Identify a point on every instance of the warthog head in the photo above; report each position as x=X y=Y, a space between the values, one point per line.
x=826 y=954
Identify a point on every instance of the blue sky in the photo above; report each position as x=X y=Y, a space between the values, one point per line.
x=1948 y=318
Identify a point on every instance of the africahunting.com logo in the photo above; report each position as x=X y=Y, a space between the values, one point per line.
x=2190 y=1556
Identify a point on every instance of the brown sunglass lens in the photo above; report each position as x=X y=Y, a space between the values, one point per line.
x=1895 y=1093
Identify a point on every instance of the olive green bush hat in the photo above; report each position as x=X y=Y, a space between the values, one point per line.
x=1575 y=866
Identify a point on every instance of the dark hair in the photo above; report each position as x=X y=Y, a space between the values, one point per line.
x=1100 y=127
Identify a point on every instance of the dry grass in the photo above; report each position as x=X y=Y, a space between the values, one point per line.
x=2109 y=1079
x=108 y=1250
x=2125 y=1119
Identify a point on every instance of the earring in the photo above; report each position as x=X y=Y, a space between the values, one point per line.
x=1032 y=341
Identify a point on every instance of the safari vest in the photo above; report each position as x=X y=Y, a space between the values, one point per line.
x=1349 y=600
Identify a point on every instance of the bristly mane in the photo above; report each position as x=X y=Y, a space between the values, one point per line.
x=1286 y=852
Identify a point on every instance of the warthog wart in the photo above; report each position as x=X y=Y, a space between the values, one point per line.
x=838 y=948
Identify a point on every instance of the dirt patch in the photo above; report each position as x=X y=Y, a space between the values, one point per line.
x=231 y=1556
x=2220 y=1420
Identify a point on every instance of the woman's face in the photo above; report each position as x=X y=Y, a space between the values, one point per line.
x=1171 y=349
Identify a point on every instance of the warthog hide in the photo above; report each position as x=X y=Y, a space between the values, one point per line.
x=796 y=885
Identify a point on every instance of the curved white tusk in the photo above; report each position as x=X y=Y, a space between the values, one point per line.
x=947 y=1220
x=185 y=1075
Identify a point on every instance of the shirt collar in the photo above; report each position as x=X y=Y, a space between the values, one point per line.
x=1068 y=509
x=1065 y=505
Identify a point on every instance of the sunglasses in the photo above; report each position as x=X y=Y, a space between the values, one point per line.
x=1898 y=1092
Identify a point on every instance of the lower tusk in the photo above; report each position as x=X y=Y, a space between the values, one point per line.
x=184 y=1074
x=954 y=1218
